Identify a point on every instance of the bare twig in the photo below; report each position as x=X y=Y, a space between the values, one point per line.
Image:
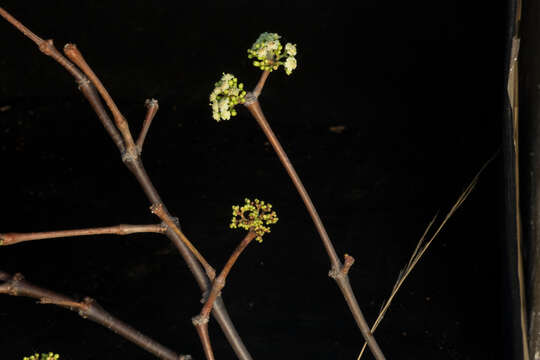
x=75 y=55
x=152 y=107
x=422 y=247
x=201 y=321
x=336 y=271
x=133 y=162
x=122 y=229
x=87 y=309
x=262 y=80
x=158 y=210
x=88 y=90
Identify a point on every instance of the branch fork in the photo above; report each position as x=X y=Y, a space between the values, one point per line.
x=118 y=130
x=342 y=270
x=88 y=308
x=338 y=272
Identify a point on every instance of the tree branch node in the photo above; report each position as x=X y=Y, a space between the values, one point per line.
x=199 y=320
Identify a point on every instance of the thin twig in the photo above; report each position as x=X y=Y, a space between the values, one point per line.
x=201 y=321
x=122 y=229
x=158 y=210
x=262 y=80
x=75 y=55
x=422 y=247
x=152 y=107
x=134 y=164
x=340 y=277
x=87 y=309
x=47 y=47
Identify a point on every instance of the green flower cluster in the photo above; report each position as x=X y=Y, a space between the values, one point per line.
x=226 y=95
x=254 y=216
x=270 y=55
x=49 y=356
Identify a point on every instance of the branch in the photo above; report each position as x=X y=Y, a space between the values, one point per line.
x=47 y=47
x=87 y=309
x=201 y=321
x=337 y=272
x=262 y=80
x=122 y=229
x=75 y=55
x=158 y=210
x=152 y=107
x=133 y=162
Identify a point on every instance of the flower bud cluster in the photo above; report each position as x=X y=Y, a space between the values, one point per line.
x=49 y=356
x=269 y=53
x=254 y=216
x=226 y=95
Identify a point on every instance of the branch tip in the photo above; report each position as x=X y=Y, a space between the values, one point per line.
x=149 y=103
x=199 y=320
x=349 y=261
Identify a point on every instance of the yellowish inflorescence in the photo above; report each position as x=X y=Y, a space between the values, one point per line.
x=49 y=356
x=270 y=54
x=226 y=95
x=254 y=216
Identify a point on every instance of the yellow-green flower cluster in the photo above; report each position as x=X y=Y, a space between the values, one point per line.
x=254 y=216
x=49 y=356
x=226 y=95
x=270 y=55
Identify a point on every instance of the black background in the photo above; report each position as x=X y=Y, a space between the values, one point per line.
x=417 y=88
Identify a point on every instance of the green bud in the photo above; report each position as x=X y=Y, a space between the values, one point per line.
x=256 y=63
x=240 y=86
x=233 y=113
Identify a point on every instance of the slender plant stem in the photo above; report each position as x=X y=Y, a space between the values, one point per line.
x=75 y=55
x=122 y=229
x=262 y=80
x=422 y=246
x=158 y=210
x=87 y=309
x=341 y=277
x=255 y=109
x=201 y=321
x=133 y=162
x=152 y=107
x=219 y=282
x=88 y=90
x=219 y=311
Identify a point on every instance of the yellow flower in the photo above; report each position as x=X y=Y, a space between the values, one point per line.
x=254 y=216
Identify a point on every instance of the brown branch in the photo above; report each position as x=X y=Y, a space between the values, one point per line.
x=152 y=107
x=122 y=229
x=338 y=272
x=201 y=321
x=87 y=309
x=134 y=164
x=75 y=55
x=158 y=210
x=47 y=47
x=262 y=80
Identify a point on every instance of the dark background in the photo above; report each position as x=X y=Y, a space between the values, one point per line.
x=417 y=88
